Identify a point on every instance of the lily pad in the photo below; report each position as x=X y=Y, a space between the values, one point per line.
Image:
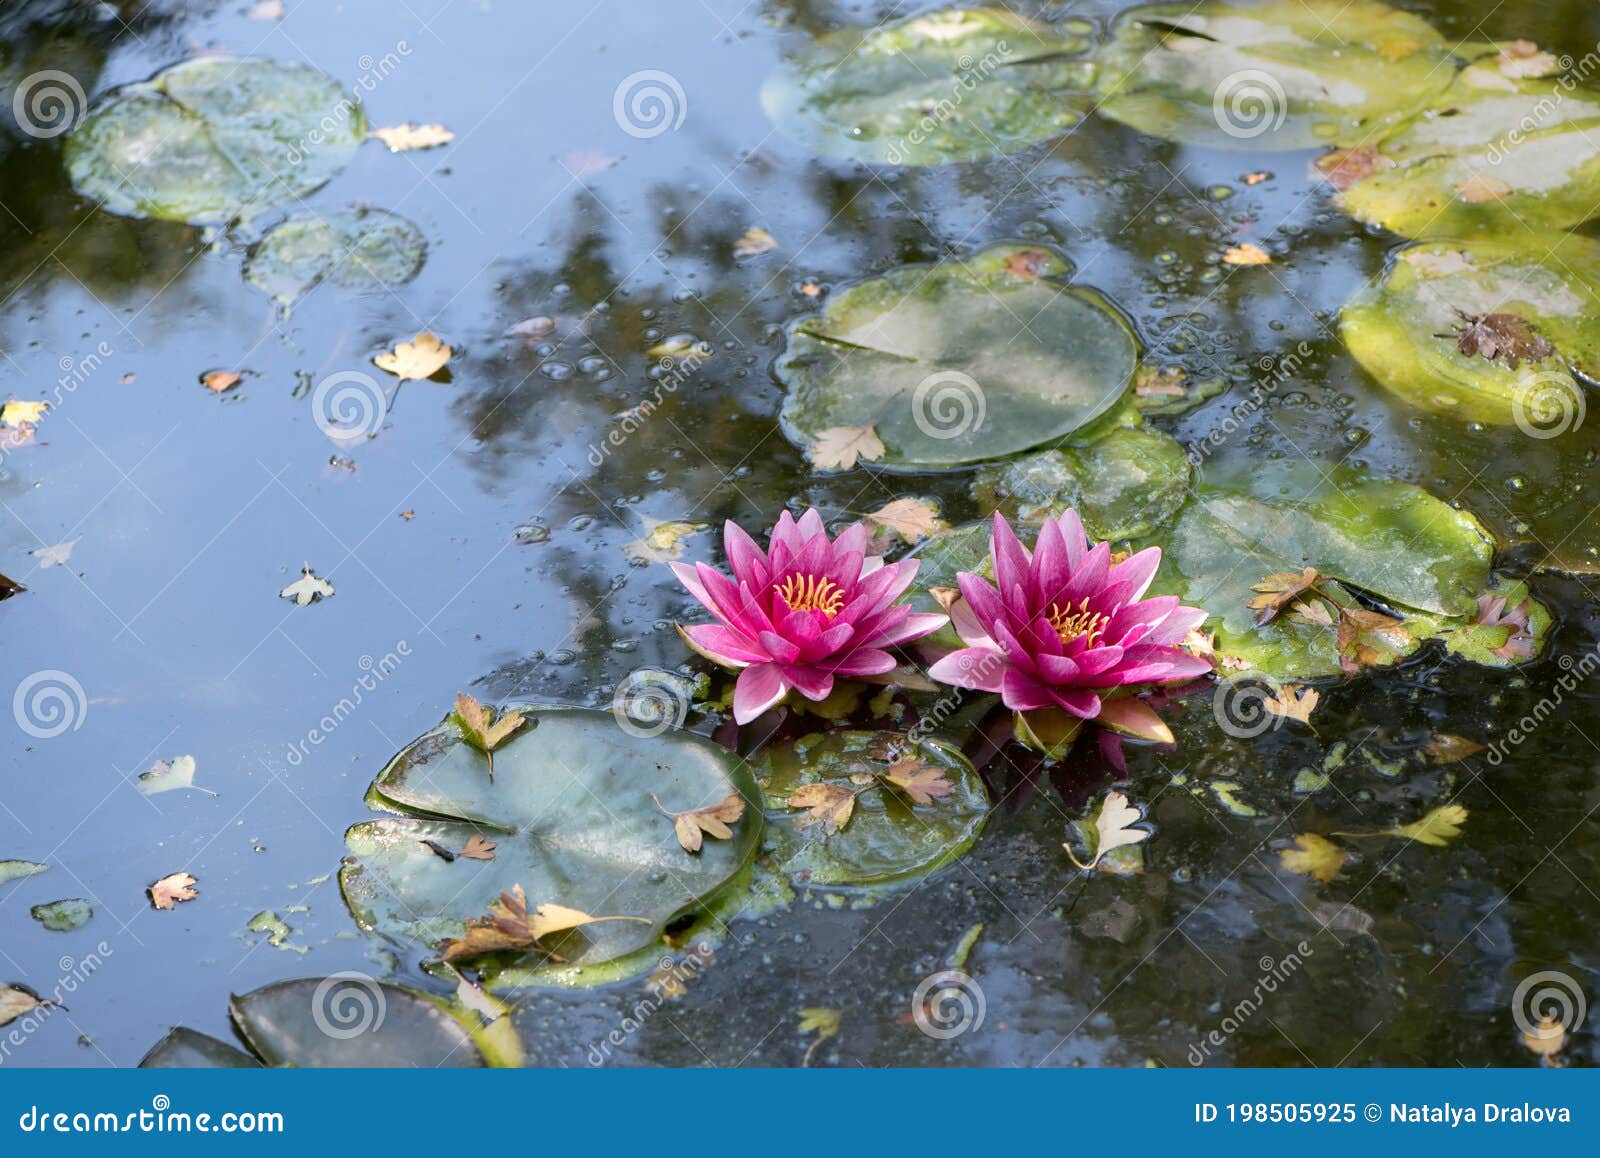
x=887 y=840
x=572 y=809
x=11 y=870
x=958 y=362
x=1290 y=74
x=1406 y=328
x=63 y=916
x=1403 y=548
x=958 y=84
x=216 y=138
x=1123 y=486
x=344 y=1021
x=353 y=249
x=1494 y=154
x=1510 y=628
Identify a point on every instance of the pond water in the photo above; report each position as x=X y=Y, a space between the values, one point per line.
x=480 y=543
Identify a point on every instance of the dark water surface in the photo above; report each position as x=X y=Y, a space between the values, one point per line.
x=190 y=511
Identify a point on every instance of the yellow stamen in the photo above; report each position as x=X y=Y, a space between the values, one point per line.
x=809 y=593
x=1070 y=623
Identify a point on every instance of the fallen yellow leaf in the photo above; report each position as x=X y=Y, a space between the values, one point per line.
x=1246 y=254
x=422 y=357
x=404 y=138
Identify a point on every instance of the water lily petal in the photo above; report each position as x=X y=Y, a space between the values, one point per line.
x=1130 y=579
x=747 y=560
x=864 y=662
x=1022 y=693
x=758 y=688
x=1136 y=718
x=981 y=668
x=722 y=646
x=1081 y=702
x=812 y=683
x=778 y=647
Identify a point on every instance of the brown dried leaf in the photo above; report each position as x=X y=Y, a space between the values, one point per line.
x=477 y=848
x=713 y=820
x=1491 y=335
x=177 y=887
x=1293 y=702
x=1028 y=263
x=918 y=779
x=220 y=381
x=422 y=357
x=1447 y=749
x=509 y=925
x=754 y=241
x=1246 y=254
x=1280 y=589
x=829 y=805
x=912 y=519
x=1342 y=168
x=839 y=447
x=477 y=722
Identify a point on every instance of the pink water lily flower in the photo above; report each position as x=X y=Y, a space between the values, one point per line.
x=1062 y=627
x=804 y=611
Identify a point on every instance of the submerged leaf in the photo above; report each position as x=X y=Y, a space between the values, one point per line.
x=1314 y=856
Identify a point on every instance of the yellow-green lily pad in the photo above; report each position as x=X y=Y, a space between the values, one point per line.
x=957 y=84
x=353 y=249
x=954 y=363
x=1288 y=74
x=1406 y=329
x=213 y=139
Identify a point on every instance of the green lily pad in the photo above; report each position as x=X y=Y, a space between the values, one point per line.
x=1405 y=328
x=958 y=362
x=353 y=249
x=1289 y=74
x=958 y=84
x=1123 y=486
x=1503 y=644
x=184 y=1049
x=887 y=840
x=216 y=138
x=63 y=916
x=351 y=1022
x=1415 y=554
x=1494 y=155
x=11 y=870
x=573 y=812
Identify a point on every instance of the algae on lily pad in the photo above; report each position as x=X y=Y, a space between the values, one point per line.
x=572 y=811
x=1123 y=485
x=1486 y=331
x=1288 y=74
x=1395 y=543
x=213 y=139
x=888 y=839
x=1494 y=154
x=954 y=363
x=348 y=1020
x=355 y=249
x=64 y=916
x=957 y=84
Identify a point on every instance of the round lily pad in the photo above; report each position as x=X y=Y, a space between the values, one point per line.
x=345 y=1021
x=888 y=838
x=1289 y=74
x=572 y=809
x=64 y=916
x=954 y=363
x=958 y=84
x=1401 y=548
x=354 y=249
x=1494 y=154
x=216 y=138
x=1427 y=329
x=1123 y=485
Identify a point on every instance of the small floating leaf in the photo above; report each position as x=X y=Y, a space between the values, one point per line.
x=404 y=138
x=1314 y=856
x=1113 y=828
x=422 y=357
x=170 y=889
